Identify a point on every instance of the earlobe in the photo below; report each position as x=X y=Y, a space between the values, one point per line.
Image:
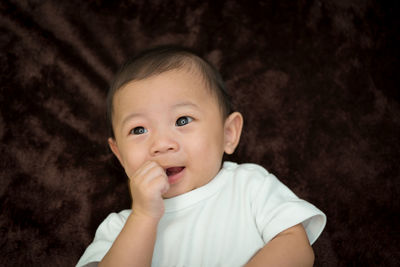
x=114 y=148
x=232 y=132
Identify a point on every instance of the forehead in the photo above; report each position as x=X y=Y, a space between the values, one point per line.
x=185 y=84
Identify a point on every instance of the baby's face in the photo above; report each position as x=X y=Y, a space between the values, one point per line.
x=172 y=119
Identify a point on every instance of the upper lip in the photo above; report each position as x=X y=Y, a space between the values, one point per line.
x=165 y=167
x=173 y=166
x=168 y=173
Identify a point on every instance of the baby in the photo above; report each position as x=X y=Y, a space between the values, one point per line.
x=172 y=122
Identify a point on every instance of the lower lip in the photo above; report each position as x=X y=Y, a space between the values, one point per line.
x=173 y=179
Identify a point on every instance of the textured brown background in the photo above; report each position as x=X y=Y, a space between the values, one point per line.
x=317 y=82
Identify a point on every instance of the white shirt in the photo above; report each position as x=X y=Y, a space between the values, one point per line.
x=223 y=223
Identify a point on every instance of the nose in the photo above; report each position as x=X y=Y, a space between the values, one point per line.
x=163 y=143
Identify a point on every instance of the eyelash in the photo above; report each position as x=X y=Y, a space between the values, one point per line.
x=135 y=130
x=181 y=121
x=185 y=118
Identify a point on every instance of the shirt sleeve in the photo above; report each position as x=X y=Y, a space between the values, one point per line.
x=105 y=235
x=277 y=208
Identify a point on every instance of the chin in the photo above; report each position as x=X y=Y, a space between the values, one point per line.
x=171 y=194
x=167 y=196
x=174 y=192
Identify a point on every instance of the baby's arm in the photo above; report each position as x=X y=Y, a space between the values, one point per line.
x=135 y=244
x=289 y=248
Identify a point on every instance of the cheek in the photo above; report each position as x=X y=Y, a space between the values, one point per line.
x=205 y=156
x=133 y=159
x=207 y=147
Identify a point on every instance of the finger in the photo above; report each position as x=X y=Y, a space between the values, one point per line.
x=148 y=165
x=153 y=172
x=165 y=188
x=142 y=171
x=159 y=184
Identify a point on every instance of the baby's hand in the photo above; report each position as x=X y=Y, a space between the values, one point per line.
x=147 y=185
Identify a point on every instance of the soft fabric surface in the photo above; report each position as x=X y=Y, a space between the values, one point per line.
x=317 y=82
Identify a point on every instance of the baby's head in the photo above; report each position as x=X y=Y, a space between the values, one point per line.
x=170 y=106
x=165 y=58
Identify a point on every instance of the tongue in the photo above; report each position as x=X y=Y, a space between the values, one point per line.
x=174 y=170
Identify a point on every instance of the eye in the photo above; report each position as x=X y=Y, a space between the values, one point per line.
x=183 y=121
x=138 y=130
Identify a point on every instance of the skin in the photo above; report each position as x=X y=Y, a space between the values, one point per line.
x=174 y=120
x=154 y=106
x=290 y=248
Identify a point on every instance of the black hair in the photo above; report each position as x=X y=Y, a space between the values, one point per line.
x=160 y=59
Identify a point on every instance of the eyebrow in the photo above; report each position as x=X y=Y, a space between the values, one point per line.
x=186 y=104
x=129 y=117
x=178 y=105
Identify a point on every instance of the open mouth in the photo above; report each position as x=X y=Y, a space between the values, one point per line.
x=173 y=171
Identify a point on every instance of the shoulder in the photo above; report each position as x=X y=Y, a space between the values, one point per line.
x=252 y=179
x=120 y=217
x=245 y=168
x=105 y=235
x=113 y=223
x=260 y=186
x=248 y=172
x=276 y=207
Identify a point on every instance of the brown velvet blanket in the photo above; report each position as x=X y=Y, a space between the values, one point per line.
x=316 y=80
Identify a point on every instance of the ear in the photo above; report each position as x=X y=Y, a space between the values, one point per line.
x=114 y=148
x=232 y=131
